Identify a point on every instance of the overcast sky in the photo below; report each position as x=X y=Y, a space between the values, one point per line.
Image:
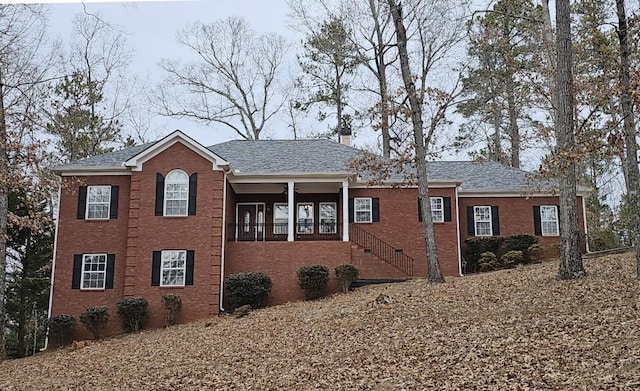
x=151 y=28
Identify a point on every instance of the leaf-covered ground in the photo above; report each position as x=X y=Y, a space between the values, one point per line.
x=519 y=329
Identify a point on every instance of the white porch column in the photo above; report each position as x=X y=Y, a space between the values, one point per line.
x=345 y=210
x=291 y=209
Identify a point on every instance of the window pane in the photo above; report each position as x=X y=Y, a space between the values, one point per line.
x=176 y=193
x=280 y=219
x=305 y=218
x=328 y=215
x=362 y=209
x=173 y=267
x=94 y=268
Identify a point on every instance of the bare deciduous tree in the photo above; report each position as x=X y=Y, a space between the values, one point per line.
x=235 y=81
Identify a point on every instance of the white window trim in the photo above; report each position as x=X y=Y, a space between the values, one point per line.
x=166 y=185
x=441 y=220
x=104 y=273
x=162 y=268
x=557 y=221
x=275 y=228
x=86 y=212
x=355 y=210
x=335 y=219
x=313 y=218
x=475 y=222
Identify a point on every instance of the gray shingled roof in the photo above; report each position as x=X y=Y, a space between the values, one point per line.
x=113 y=159
x=324 y=157
x=285 y=156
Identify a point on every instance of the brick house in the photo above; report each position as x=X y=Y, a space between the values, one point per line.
x=176 y=217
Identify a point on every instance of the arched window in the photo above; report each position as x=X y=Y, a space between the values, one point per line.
x=176 y=193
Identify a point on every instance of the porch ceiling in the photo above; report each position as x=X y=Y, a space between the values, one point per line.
x=279 y=188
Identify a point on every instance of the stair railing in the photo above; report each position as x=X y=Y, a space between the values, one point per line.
x=381 y=249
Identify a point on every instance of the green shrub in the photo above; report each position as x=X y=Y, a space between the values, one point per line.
x=511 y=259
x=488 y=261
x=535 y=253
x=247 y=288
x=172 y=308
x=133 y=312
x=313 y=280
x=346 y=274
x=519 y=242
x=474 y=247
x=95 y=319
x=61 y=328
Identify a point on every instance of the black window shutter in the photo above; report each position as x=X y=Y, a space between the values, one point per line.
x=447 y=208
x=111 y=263
x=351 y=210
x=188 y=278
x=155 y=268
x=537 y=222
x=558 y=216
x=82 y=201
x=159 y=194
x=419 y=210
x=77 y=271
x=375 y=209
x=113 y=208
x=471 y=227
x=193 y=190
x=495 y=221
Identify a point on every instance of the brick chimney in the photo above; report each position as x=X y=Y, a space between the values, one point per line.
x=345 y=136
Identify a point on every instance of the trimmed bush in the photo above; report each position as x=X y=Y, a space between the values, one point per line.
x=535 y=253
x=313 y=280
x=133 y=312
x=488 y=261
x=475 y=247
x=519 y=242
x=346 y=274
x=511 y=259
x=247 y=288
x=61 y=328
x=95 y=319
x=172 y=308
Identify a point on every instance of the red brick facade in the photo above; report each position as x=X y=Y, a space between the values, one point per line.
x=137 y=232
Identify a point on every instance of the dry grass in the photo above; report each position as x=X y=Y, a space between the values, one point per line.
x=516 y=330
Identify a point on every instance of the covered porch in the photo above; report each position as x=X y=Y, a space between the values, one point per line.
x=278 y=209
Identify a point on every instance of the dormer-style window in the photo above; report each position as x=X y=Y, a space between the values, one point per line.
x=176 y=193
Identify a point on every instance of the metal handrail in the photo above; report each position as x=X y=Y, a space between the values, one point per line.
x=381 y=249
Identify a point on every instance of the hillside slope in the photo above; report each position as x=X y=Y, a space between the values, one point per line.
x=517 y=329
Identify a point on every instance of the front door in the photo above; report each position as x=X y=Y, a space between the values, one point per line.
x=250 y=222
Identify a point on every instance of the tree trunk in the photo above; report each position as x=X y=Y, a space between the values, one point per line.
x=570 y=254
x=338 y=102
x=433 y=266
x=631 y=147
x=381 y=67
x=514 y=131
x=4 y=211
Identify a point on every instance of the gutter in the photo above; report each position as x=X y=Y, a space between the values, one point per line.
x=224 y=239
x=458 y=233
x=53 y=264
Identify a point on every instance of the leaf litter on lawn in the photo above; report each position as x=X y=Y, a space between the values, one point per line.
x=518 y=329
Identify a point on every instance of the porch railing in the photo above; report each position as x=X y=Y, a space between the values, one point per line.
x=278 y=232
x=393 y=256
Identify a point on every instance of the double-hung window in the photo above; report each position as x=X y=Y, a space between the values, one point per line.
x=280 y=218
x=363 y=210
x=482 y=220
x=173 y=268
x=94 y=271
x=549 y=220
x=98 y=201
x=328 y=217
x=437 y=209
x=176 y=193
